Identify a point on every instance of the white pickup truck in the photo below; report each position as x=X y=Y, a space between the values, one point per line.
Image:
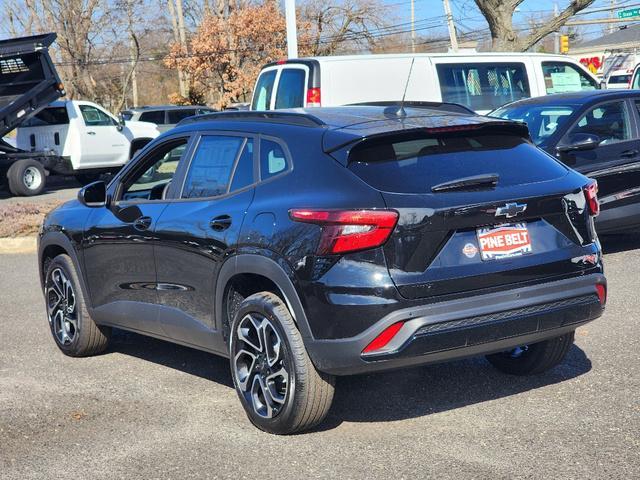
x=87 y=139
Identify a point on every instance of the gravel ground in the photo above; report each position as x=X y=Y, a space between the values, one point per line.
x=148 y=409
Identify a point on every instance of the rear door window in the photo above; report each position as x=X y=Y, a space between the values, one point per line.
x=49 y=116
x=290 y=93
x=561 y=77
x=156 y=117
x=262 y=93
x=483 y=86
x=211 y=166
x=415 y=165
x=175 y=116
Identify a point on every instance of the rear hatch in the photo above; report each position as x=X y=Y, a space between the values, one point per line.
x=480 y=207
x=28 y=79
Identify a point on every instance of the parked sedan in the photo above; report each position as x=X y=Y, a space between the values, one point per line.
x=598 y=134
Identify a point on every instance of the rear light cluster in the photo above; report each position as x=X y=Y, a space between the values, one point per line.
x=313 y=97
x=591 y=194
x=346 y=231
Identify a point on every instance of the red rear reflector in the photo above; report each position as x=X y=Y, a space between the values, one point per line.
x=601 y=290
x=349 y=230
x=591 y=194
x=313 y=97
x=384 y=338
x=282 y=61
x=454 y=128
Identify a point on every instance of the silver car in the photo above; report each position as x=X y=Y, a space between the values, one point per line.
x=164 y=116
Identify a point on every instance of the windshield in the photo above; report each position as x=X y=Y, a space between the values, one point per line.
x=542 y=120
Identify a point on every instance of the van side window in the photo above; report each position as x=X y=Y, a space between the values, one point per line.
x=94 y=117
x=483 y=86
x=262 y=93
x=272 y=159
x=560 y=77
x=290 y=92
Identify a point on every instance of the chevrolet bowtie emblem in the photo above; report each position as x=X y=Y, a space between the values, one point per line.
x=511 y=209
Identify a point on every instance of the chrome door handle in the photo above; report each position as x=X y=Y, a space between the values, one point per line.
x=220 y=223
x=142 y=223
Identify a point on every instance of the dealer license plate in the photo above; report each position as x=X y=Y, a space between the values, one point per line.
x=504 y=241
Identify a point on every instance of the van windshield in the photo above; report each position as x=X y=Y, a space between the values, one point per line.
x=483 y=86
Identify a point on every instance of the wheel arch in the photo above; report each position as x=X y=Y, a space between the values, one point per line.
x=269 y=273
x=51 y=245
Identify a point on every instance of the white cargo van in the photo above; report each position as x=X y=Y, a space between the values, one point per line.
x=480 y=81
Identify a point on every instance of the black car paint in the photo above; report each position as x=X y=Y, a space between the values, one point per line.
x=615 y=166
x=170 y=280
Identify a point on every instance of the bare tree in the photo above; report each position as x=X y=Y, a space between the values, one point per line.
x=505 y=37
x=349 y=24
x=176 y=13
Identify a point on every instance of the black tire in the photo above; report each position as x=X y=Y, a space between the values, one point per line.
x=535 y=358
x=307 y=396
x=26 y=177
x=87 y=178
x=85 y=338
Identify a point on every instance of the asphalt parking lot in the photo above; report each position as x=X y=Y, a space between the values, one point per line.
x=149 y=409
x=57 y=188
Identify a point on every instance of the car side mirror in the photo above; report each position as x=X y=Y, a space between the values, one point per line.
x=120 y=124
x=93 y=195
x=580 y=141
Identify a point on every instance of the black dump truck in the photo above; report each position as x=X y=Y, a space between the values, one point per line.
x=28 y=83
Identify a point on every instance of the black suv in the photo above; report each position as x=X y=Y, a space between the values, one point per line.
x=331 y=241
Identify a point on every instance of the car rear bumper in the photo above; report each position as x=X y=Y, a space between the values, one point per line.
x=467 y=327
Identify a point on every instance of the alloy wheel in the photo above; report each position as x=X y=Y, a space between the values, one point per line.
x=260 y=365
x=61 y=307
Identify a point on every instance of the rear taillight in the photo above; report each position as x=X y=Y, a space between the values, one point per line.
x=313 y=97
x=384 y=338
x=591 y=194
x=601 y=290
x=346 y=231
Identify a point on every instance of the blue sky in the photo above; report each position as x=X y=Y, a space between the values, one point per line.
x=468 y=17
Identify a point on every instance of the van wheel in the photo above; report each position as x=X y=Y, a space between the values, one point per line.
x=278 y=386
x=535 y=358
x=72 y=327
x=26 y=177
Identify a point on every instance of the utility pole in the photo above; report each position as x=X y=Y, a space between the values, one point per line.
x=556 y=35
x=452 y=28
x=612 y=15
x=413 y=27
x=292 y=33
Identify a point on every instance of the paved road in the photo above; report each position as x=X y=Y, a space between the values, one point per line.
x=57 y=188
x=148 y=409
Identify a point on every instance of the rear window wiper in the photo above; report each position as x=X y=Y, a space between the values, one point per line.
x=489 y=180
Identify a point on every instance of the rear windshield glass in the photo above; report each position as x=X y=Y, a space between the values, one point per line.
x=48 y=116
x=414 y=165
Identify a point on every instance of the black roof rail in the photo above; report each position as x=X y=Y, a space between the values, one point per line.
x=445 y=106
x=286 y=118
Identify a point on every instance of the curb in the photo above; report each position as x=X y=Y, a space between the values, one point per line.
x=18 y=245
